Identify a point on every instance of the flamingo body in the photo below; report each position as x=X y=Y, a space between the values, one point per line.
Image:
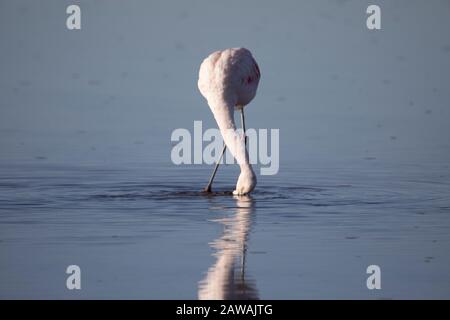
x=229 y=80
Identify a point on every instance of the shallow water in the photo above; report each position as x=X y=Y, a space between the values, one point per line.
x=307 y=233
x=86 y=178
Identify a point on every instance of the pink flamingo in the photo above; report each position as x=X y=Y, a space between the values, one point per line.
x=228 y=80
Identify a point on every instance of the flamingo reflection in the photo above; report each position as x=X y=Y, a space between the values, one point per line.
x=226 y=278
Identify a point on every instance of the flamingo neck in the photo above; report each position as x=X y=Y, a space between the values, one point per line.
x=235 y=142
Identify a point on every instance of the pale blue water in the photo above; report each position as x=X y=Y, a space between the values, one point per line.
x=141 y=231
x=86 y=176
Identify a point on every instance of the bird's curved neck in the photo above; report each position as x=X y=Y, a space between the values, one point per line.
x=224 y=114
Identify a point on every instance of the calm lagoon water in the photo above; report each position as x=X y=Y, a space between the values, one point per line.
x=86 y=176
x=140 y=230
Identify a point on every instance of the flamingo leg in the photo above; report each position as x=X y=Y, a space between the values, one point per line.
x=211 y=179
x=243 y=127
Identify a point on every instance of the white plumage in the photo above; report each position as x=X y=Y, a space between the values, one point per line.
x=229 y=80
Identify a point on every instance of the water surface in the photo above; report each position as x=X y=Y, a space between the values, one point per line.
x=86 y=177
x=307 y=233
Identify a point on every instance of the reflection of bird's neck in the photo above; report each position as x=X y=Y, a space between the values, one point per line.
x=222 y=282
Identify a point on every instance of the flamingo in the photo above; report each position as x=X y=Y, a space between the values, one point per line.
x=228 y=80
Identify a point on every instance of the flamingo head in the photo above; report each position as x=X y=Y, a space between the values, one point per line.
x=246 y=182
